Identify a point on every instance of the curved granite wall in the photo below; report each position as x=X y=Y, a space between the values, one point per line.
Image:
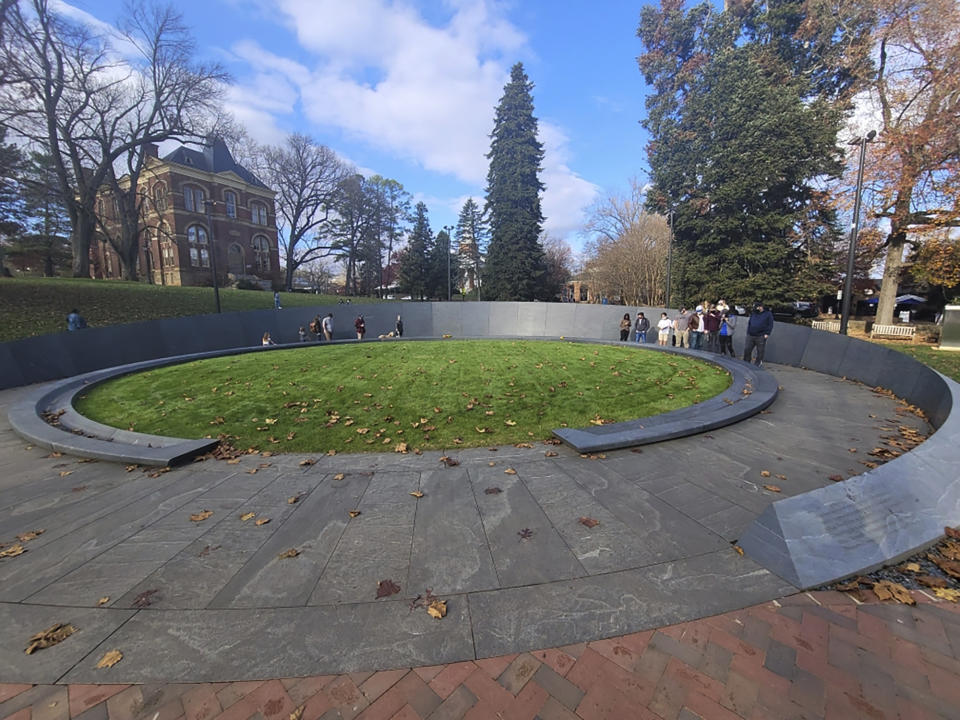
x=807 y=539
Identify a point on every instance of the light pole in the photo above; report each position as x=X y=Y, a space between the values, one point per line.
x=669 y=257
x=448 y=229
x=852 y=252
x=208 y=204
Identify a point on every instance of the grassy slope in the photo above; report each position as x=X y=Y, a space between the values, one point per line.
x=941 y=360
x=430 y=395
x=35 y=306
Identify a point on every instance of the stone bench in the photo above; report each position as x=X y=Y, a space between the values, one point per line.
x=897 y=331
x=826 y=325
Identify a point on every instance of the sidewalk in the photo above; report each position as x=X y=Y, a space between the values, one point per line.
x=812 y=655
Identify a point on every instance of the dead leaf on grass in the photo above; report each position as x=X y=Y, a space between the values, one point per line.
x=886 y=590
x=53 y=635
x=588 y=521
x=386 y=588
x=110 y=659
x=201 y=516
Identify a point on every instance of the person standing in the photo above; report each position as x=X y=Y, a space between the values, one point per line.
x=360 y=326
x=399 y=326
x=327 y=326
x=759 y=328
x=681 y=330
x=625 y=327
x=711 y=325
x=663 y=330
x=728 y=323
x=696 y=329
x=303 y=333
x=640 y=328
x=276 y=301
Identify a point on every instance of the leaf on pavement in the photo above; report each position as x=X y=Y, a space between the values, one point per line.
x=952 y=533
x=836 y=478
x=103 y=601
x=911 y=567
x=308 y=461
x=386 y=588
x=262 y=521
x=145 y=599
x=886 y=590
x=201 y=516
x=449 y=461
x=291 y=553
x=354 y=513
x=588 y=521
x=110 y=659
x=525 y=534
x=492 y=491
x=771 y=488
x=297 y=713
x=28 y=536
x=437 y=609
x=294 y=499
x=524 y=445
x=54 y=634
x=947 y=594
x=550 y=453
x=932 y=581
x=510 y=471
x=764 y=473
x=738 y=549
x=417 y=494
x=64 y=473
x=12 y=551
x=247 y=516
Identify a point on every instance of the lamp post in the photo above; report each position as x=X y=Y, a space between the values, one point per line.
x=852 y=252
x=448 y=229
x=669 y=257
x=208 y=205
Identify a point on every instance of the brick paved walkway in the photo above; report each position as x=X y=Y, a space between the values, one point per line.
x=812 y=655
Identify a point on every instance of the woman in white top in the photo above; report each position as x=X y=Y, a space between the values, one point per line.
x=664 y=327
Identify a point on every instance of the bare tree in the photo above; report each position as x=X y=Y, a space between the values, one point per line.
x=307 y=177
x=627 y=257
x=69 y=91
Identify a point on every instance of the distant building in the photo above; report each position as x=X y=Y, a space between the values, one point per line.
x=197 y=202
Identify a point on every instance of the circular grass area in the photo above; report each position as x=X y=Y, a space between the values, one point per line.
x=402 y=396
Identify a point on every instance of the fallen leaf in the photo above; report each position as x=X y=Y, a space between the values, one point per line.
x=54 y=634
x=354 y=513
x=764 y=473
x=338 y=476
x=131 y=468
x=492 y=491
x=738 y=549
x=291 y=553
x=386 y=588
x=511 y=423
x=110 y=659
x=911 y=567
x=771 y=488
x=525 y=534
x=449 y=461
x=932 y=582
x=588 y=522
x=886 y=590
x=201 y=516
x=417 y=494
x=145 y=599
x=527 y=446
x=400 y=448
x=64 y=473
x=28 y=536
x=951 y=533
x=12 y=551
x=308 y=461
x=262 y=521
x=780 y=477
x=247 y=516
x=836 y=478
x=207 y=549
x=103 y=601
x=849 y=586
x=294 y=499
x=550 y=453
x=950 y=594
x=297 y=712
x=437 y=609
x=510 y=471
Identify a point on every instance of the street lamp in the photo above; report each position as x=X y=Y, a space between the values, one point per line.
x=669 y=257
x=852 y=252
x=448 y=229
x=208 y=205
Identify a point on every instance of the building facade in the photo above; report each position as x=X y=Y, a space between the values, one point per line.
x=198 y=209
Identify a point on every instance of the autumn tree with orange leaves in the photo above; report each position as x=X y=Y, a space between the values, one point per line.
x=911 y=96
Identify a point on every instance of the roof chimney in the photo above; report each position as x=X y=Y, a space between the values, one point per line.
x=152 y=150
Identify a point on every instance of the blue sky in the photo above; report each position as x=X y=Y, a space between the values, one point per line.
x=407 y=89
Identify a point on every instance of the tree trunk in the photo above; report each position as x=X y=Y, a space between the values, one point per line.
x=80 y=240
x=288 y=275
x=891 y=277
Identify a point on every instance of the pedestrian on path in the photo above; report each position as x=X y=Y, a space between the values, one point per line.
x=276 y=301
x=759 y=328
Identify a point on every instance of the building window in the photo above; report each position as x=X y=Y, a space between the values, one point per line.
x=197 y=239
x=258 y=213
x=230 y=200
x=193 y=198
x=168 y=259
x=160 y=197
x=261 y=251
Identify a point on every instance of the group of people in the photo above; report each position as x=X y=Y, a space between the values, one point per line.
x=710 y=327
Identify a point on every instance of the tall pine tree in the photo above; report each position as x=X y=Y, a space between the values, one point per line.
x=416 y=266
x=515 y=265
x=470 y=234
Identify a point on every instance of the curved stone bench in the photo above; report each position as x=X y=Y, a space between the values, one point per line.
x=751 y=391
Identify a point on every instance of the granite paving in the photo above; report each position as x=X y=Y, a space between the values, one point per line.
x=529 y=547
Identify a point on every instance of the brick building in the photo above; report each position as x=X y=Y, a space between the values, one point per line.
x=197 y=202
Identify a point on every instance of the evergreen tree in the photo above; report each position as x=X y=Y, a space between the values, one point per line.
x=415 y=263
x=515 y=260
x=470 y=235
x=45 y=239
x=443 y=261
x=11 y=162
x=743 y=123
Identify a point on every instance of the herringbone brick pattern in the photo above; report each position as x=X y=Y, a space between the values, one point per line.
x=813 y=655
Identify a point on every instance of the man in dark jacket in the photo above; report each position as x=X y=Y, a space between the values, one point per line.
x=758 y=330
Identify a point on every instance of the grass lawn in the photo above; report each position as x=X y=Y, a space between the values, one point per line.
x=943 y=361
x=36 y=306
x=428 y=395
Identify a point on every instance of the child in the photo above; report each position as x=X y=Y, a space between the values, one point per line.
x=303 y=334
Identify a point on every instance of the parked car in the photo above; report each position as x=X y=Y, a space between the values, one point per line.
x=795 y=310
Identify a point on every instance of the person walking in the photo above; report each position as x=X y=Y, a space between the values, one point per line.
x=361 y=327
x=625 y=327
x=276 y=301
x=759 y=328
x=640 y=328
x=327 y=327
x=728 y=323
x=399 y=326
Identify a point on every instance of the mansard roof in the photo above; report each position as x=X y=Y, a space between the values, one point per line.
x=215 y=157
